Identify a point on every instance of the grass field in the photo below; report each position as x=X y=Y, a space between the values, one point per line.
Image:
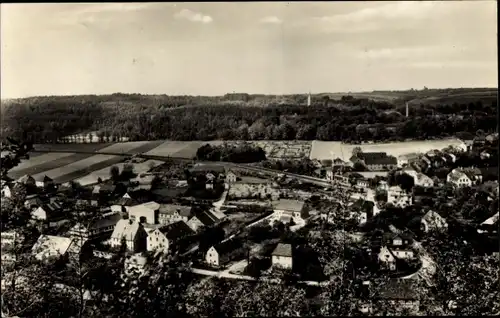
x=38 y=160
x=82 y=167
x=133 y=147
x=322 y=150
x=48 y=165
x=70 y=147
x=104 y=173
x=179 y=149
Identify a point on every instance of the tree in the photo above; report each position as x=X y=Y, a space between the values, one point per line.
x=114 y=172
x=405 y=181
x=356 y=151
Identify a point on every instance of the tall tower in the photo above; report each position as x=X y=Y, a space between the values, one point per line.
x=407 y=109
x=309 y=99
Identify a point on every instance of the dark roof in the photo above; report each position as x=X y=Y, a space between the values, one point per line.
x=226 y=247
x=127 y=202
x=24 y=179
x=176 y=230
x=172 y=208
x=377 y=158
x=206 y=218
x=106 y=221
x=43 y=178
x=396 y=290
x=393 y=236
x=283 y=250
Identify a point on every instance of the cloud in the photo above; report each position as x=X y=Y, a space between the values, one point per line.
x=193 y=16
x=378 y=17
x=271 y=20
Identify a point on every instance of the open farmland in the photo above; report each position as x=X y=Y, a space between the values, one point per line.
x=48 y=165
x=70 y=147
x=131 y=148
x=322 y=150
x=104 y=173
x=179 y=149
x=79 y=168
x=38 y=160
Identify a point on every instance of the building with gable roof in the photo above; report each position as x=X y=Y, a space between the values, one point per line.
x=432 y=221
x=149 y=210
x=132 y=232
x=171 y=213
x=224 y=252
x=282 y=256
x=49 y=247
x=161 y=237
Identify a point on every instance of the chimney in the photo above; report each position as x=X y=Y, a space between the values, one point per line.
x=407 y=110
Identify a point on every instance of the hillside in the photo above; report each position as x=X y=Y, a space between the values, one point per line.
x=350 y=117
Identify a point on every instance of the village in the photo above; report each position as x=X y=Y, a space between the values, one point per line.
x=251 y=225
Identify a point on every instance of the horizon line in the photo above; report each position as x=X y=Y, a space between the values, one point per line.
x=264 y=94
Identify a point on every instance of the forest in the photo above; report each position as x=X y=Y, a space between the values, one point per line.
x=145 y=117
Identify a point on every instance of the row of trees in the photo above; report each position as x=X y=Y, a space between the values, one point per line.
x=348 y=120
x=243 y=153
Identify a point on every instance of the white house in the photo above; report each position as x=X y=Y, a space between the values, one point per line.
x=407 y=159
x=387 y=258
x=148 y=210
x=432 y=221
x=134 y=234
x=398 y=197
x=171 y=213
x=423 y=180
x=50 y=213
x=6 y=192
x=194 y=223
x=285 y=210
x=231 y=177
x=161 y=237
x=223 y=252
x=48 y=247
x=464 y=177
x=282 y=256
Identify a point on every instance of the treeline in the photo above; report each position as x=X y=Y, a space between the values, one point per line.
x=349 y=120
x=244 y=153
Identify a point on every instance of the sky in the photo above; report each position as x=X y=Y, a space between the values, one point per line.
x=259 y=48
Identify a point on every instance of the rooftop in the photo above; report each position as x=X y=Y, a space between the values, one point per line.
x=283 y=250
x=49 y=244
x=151 y=205
x=289 y=205
x=172 y=208
x=176 y=230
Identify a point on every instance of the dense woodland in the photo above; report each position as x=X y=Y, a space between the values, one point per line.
x=252 y=117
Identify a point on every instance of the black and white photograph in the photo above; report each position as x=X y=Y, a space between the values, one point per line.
x=249 y=159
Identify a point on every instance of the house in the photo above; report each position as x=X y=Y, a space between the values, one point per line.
x=387 y=258
x=170 y=213
x=231 y=177
x=423 y=180
x=394 y=247
x=398 y=197
x=383 y=186
x=490 y=226
x=50 y=213
x=282 y=256
x=149 y=210
x=161 y=237
x=485 y=155
x=49 y=247
x=491 y=138
x=6 y=191
x=288 y=210
x=375 y=160
x=224 y=252
x=95 y=229
x=464 y=177
x=432 y=221
x=205 y=169
x=27 y=180
x=479 y=141
x=202 y=219
x=194 y=223
x=132 y=232
x=106 y=189
x=407 y=159
x=32 y=201
x=43 y=181
x=398 y=294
